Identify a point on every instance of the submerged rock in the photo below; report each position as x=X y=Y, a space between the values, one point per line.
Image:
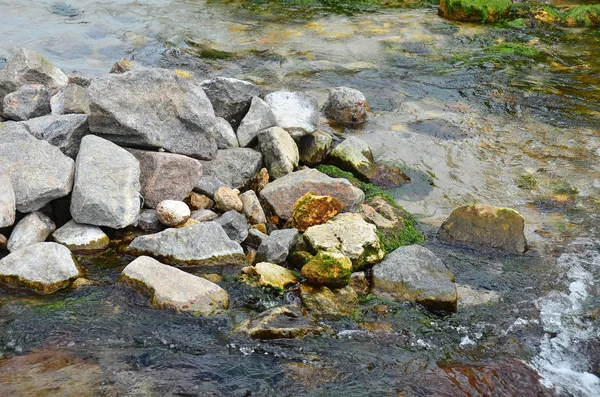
x=311 y=210
x=275 y=276
x=72 y=99
x=259 y=117
x=7 y=200
x=172 y=212
x=346 y=106
x=169 y=287
x=276 y=247
x=76 y=236
x=230 y=97
x=332 y=269
x=281 y=322
x=485 y=226
x=279 y=151
x=107 y=185
x=388 y=176
x=235 y=225
x=322 y=300
x=283 y=193
x=34 y=228
x=43 y=267
x=313 y=148
x=63 y=131
x=296 y=112
x=354 y=155
x=29 y=101
x=234 y=167
x=415 y=274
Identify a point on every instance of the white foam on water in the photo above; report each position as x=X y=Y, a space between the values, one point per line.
x=560 y=361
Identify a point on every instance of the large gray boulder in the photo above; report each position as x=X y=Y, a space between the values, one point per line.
x=169 y=287
x=296 y=112
x=7 y=201
x=259 y=117
x=63 y=131
x=279 y=151
x=29 y=101
x=234 y=167
x=34 y=228
x=203 y=244
x=230 y=98
x=235 y=225
x=43 y=267
x=107 y=185
x=354 y=155
x=39 y=172
x=77 y=236
x=415 y=274
x=166 y=176
x=283 y=193
x=153 y=108
x=276 y=247
x=72 y=99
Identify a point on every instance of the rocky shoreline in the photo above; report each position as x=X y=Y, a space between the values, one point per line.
x=209 y=178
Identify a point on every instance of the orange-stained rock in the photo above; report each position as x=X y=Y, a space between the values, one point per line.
x=197 y=201
x=310 y=210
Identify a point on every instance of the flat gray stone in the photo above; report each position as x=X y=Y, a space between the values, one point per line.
x=29 y=101
x=276 y=247
x=259 y=117
x=296 y=112
x=34 y=228
x=7 y=200
x=63 y=131
x=234 y=167
x=230 y=98
x=279 y=151
x=235 y=225
x=77 y=236
x=107 y=185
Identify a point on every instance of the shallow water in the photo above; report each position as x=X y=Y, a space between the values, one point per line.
x=467 y=119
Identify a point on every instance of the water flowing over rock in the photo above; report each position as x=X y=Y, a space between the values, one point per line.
x=354 y=155
x=485 y=226
x=281 y=322
x=235 y=225
x=7 y=201
x=283 y=193
x=166 y=176
x=172 y=212
x=32 y=229
x=107 y=185
x=279 y=151
x=76 y=236
x=224 y=134
x=275 y=276
x=204 y=244
x=234 y=167
x=259 y=117
x=43 y=267
x=230 y=97
x=39 y=172
x=276 y=247
x=169 y=287
x=313 y=148
x=415 y=274
x=347 y=106
x=29 y=101
x=153 y=108
x=72 y=99
x=322 y=300
x=252 y=208
x=296 y=112
x=63 y=131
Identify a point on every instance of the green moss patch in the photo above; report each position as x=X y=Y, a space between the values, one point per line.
x=475 y=10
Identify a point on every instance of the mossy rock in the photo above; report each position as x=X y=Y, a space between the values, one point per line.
x=585 y=15
x=331 y=269
x=486 y=11
x=298 y=259
x=310 y=210
x=322 y=300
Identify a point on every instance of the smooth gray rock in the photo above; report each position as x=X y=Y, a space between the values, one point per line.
x=354 y=155
x=414 y=273
x=34 y=228
x=255 y=238
x=166 y=176
x=147 y=220
x=172 y=212
x=63 y=131
x=204 y=215
x=230 y=97
x=259 y=117
x=7 y=200
x=72 y=99
x=252 y=208
x=346 y=106
x=313 y=148
x=43 y=267
x=170 y=287
x=77 y=236
x=106 y=191
x=203 y=244
x=235 y=225
x=153 y=108
x=39 y=172
x=208 y=185
x=29 y=101
x=279 y=151
x=234 y=167
x=296 y=112
x=276 y=247
x=282 y=193
x=224 y=134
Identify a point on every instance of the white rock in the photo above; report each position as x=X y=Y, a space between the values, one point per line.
x=172 y=212
x=32 y=229
x=81 y=237
x=296 y=112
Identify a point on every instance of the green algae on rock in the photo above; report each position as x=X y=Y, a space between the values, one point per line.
x=485 y=11
x=331 y=269
x=310 y=210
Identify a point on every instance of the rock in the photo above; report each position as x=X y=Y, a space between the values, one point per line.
x=372 y=216
x=474 y=10
x=468 y=296
x=350 y=235
x=39 y=172
x=172 y=213
x=166 y=176
x=63 y=131
x=198 y=201
x=76 y=236
x=204 y=244
x=208 y=185
x=359 y=283
x=276 y=247
x=172 y=288
x=296 y=112
x=28 y=67
x=388 y=176
x=259 y=117
x=235 y=225
x=262 y=227
x=332 y=269
x=234 y=167
x=252 y=208
x=390 y=221
x=188 y=223
x=29 y=101
x=81 y=282
x=147 y=221
x=485 y=226
x=279 y=151
x=204 y=215
x=224 y=134
x=122 y=66
x=32 y=229
x=275 y=276
x=297 y=259
x=153 y=108
x=346 y=106
x=415 y=274
x=322 y=300
x=354 y=155
x=7 y=200
x=313 y=148
x=255 y=238
x=311 y=210
x=283 y=193
x=227 y=199
x=43 y=267
x=281 y=322
x=230 y=98
x=107 y=187
x=259 y=181
x=72 y=99
x=3 y=242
